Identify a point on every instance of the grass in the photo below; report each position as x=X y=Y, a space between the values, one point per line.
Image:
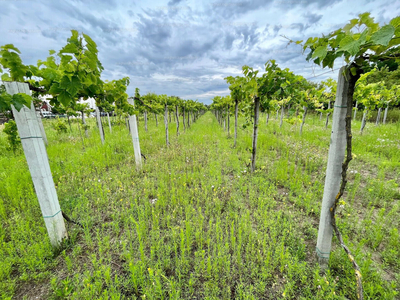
x=194 y=223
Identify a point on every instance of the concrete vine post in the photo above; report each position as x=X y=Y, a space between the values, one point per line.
x=378 y=117
x=364 y=120
x=236 y=120
x=327 y=115
x=255 y=133
x=228 y=112
x=39 y=167
x=39 y=117
x=225 y=123
x=304 y=119
x=135 y=137
x=177 y=119
x=145 y=120
x=183 y=119
x=109 y=123
x=166 y=124
x=355 y=111
x=84 y=124
x=99 y=125
x=334 y=168
x=385 y=115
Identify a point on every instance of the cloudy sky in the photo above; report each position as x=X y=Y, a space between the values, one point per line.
x=182 y=47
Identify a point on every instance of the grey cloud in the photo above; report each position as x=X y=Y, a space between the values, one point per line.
x=295 y=3
x=312 y=18
x=189 y=47
x=174 y=2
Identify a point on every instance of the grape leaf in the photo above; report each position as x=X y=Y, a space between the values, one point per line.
x=383 y=35
x=64 y=97
x=395 y=22
x=349 y=45
x=55 y=88
x=320 y=52
x=20 y=99
x=70 y=48
x=49 y=74
x=10 y=46
x=6 y=77
x=74 y=85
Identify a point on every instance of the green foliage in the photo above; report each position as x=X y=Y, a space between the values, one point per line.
x=14 y=70
x=361 y=43
x=11 y=62
x=14 y=142
x=208 y=230
x=60 y=126
x=76 y=75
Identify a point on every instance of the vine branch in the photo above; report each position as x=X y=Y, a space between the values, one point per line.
x=345 y=165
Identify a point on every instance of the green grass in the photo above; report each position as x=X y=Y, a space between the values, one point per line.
x=194 y=223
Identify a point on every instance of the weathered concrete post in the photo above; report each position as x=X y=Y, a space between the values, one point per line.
x=39 y=117
x=135 y=137
x=334 y=169
x=109 y=122
x=99 y=125
x=38 y=163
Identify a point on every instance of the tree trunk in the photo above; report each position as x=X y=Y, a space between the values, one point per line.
x=145 y=120
x=378 y=117
x=188 y=119
x=277 y=114
x=304 y=119
x=255 y=133
x=343 y=109
x=236 y=120
x=320 y=116
x=355 y=111
x=386 y=112
x=166 y=124
x=327 y=115
x=169 y=113
x=156 y=119
x=266 y=122
x=109 y=123
x=282 y=112
x=364 y=120
x=84 y=124
x=177 y=119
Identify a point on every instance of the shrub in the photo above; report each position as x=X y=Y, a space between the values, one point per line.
x=60 y=126
x=10 y=128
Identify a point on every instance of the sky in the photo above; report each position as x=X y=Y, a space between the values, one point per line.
x=180 y=47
